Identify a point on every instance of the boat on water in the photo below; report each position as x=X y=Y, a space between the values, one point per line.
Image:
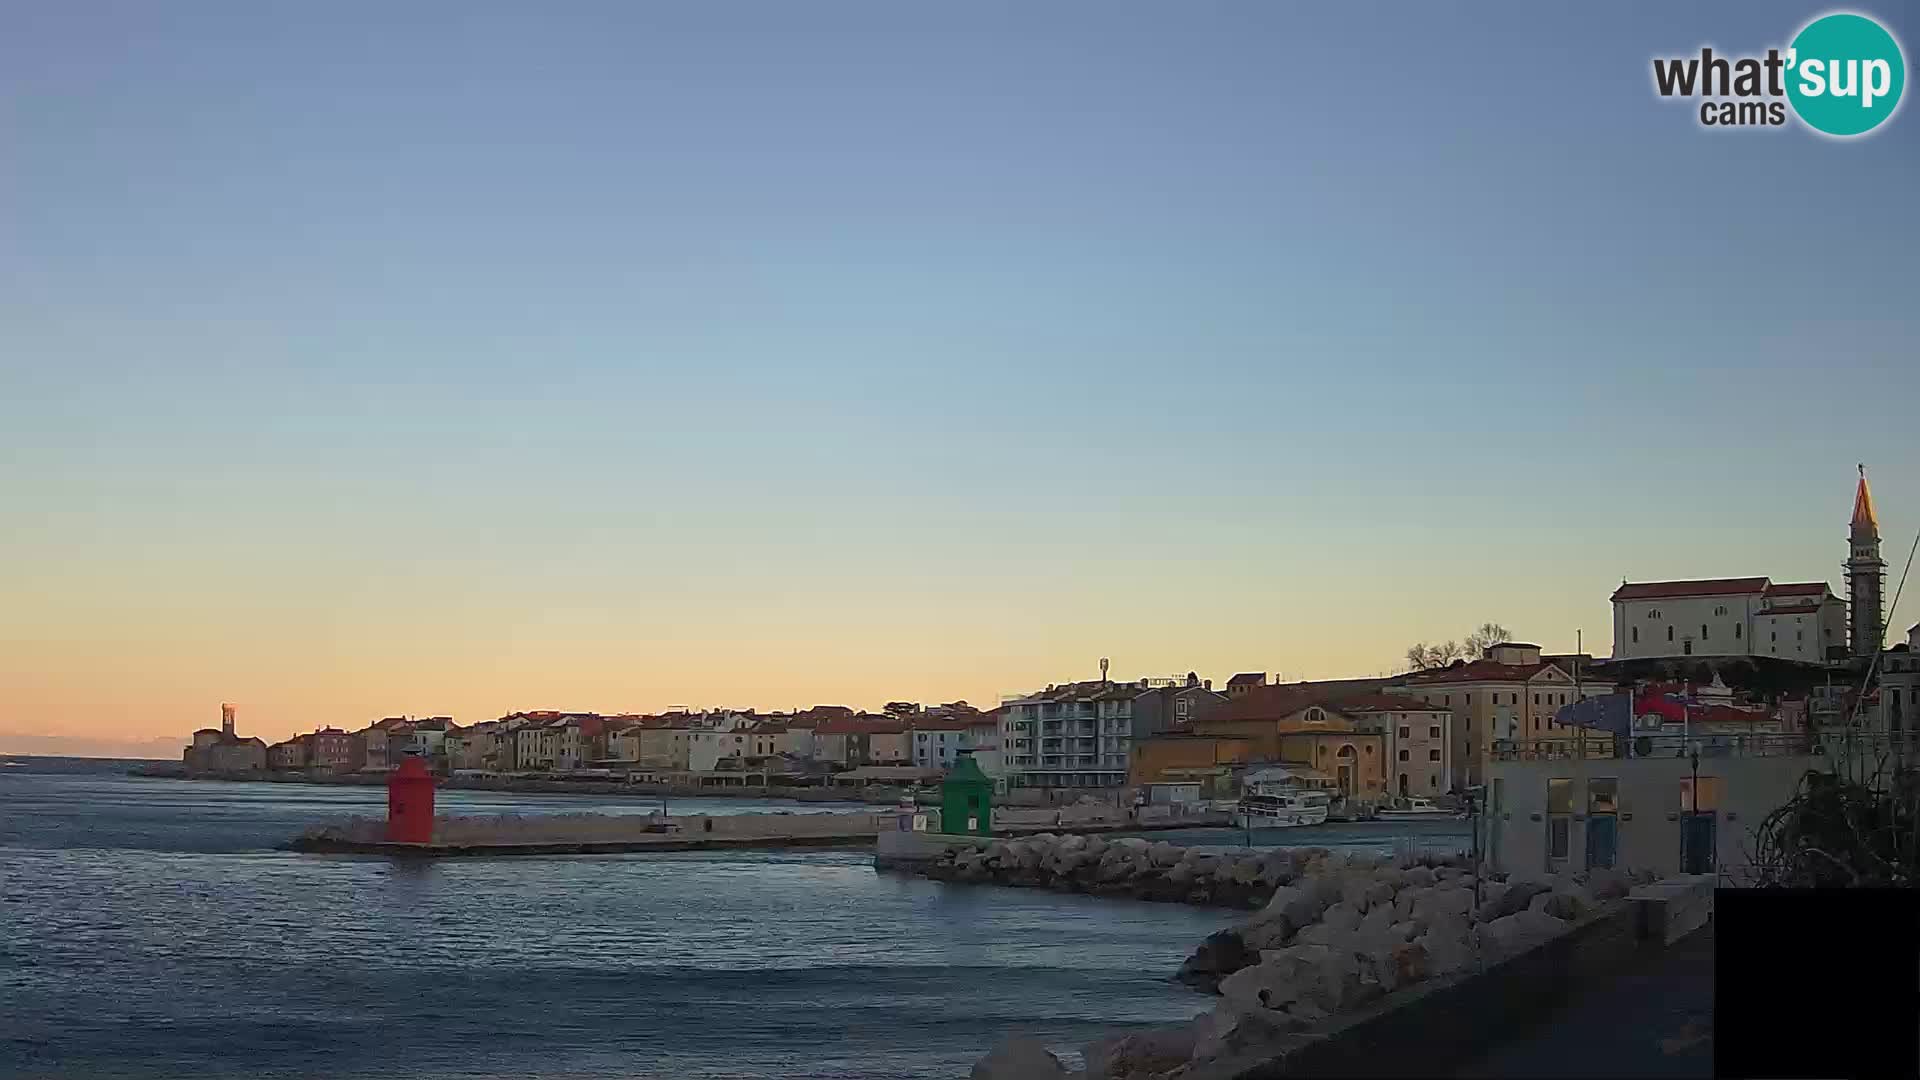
x=1407 y=809
x=1282 y=810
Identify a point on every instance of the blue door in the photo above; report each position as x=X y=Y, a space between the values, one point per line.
x=1697 y=854
x=1603 y=840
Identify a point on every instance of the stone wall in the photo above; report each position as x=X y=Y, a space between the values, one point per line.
x=1128 y=867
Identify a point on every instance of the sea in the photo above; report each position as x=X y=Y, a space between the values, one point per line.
x=150 y=928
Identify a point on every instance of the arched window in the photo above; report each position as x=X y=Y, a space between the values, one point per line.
x=1736 y=631
x=1669 y=633
x=1636 y=635
x=1315 y=716
x=1346 y=750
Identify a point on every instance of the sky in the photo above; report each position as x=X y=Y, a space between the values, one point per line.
x=359 y=360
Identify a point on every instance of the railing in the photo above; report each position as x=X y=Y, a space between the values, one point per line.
x=1707 y=746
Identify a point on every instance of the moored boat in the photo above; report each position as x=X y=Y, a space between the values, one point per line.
x=1281 y=811
x=1413 y=807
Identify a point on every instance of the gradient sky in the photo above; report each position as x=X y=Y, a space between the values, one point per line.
x=359 y=359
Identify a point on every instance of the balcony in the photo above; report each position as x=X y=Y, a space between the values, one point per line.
x=1604 y=747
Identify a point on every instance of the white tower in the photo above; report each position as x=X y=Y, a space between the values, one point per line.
x=1866 y=576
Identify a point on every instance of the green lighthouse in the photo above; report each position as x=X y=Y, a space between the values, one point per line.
x=966 y=799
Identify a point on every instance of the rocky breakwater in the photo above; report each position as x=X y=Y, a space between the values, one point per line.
x=1336 y=934
x=1128 y=867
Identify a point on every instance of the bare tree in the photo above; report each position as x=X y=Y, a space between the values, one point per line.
x=1422 y=656
x=1488 y=633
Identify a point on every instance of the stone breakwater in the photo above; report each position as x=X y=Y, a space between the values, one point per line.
x=1128 y=867
x=1334 y=934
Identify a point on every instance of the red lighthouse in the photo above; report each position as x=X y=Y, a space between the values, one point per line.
x=410 y=803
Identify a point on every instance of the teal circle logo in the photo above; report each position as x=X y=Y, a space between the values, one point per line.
x=1845 y=74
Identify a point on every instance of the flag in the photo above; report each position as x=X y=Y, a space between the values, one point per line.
x=1608 y=712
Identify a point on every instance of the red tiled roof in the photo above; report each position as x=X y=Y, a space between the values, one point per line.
x=1663 y=590
x=1366 y=703
x=947 y=723
x=1479 y=671
x=1798 y=588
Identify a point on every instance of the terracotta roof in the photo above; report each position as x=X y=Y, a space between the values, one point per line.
x=1256 y=678
x=856 y=725
x=1368 y=703
x=946 y=724
x=1798 y=588
x=1663 y=590
x=1478 y=671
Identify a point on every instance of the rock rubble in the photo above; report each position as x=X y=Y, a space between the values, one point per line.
x=1332 y=933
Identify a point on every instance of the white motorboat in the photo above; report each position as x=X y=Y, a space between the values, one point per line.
x=1281 y=811
x=1413 y=807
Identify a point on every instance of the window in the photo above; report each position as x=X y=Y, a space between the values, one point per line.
x=1405 y=731
x=1799 y=635
x=1433 y=754
x=1703 y=631
x=1369 y=749
x=1433 y=782
x=1669 y=633
x=1405 y=756
x=1603 y=795
x=1736 y=631
x=1559 y=821
x=1536 y=699
x=1560 y=796
x=1636 y=635
x=1773 y=635
x=1433 y=732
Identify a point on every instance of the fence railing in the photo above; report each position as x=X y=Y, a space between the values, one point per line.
x=1710 y=745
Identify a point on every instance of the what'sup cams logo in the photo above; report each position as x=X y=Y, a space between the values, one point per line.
x=1842 y=76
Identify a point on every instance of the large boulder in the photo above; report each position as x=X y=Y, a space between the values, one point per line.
x=1165 y=854
x=1446 y=952
x=1505 y=937
x=1342 y=916
x=1278 y=868
x=1300 y=905
x=1336 y=985
x=1019 y=1059
x=1448 y=901
x=1513 y=897
x=1377 y=923
x=1220 y=955
x=1269 y=985
x=1149 y=1052
x=1267 y=931
x=1568 y=904
x=1419 y=877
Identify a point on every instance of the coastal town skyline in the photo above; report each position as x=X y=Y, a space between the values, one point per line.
x=276 y=726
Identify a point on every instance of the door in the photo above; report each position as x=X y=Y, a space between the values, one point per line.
x=1603 y=840
x=1697 y=839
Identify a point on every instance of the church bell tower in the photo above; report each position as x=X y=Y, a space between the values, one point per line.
x=1866 y=576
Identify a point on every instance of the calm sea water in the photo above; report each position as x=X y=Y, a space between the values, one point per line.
x=148 y=929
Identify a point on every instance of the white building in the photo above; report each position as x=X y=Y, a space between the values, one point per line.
x=1072 y=735
x=706 y=748
x=1551 y=807
x=1726 y=617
